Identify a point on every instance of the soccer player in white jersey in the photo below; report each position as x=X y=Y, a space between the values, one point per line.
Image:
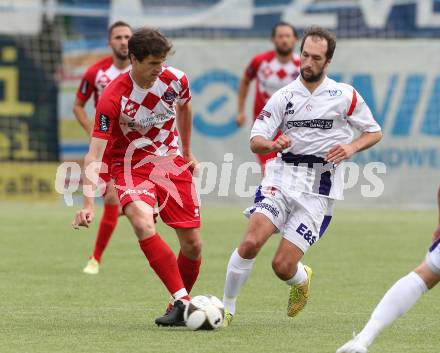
x=401 y=296
x=142 y=114
x=94 y=81
x=317 y=116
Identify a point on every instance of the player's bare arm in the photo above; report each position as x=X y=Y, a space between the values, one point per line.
x=96 y=150
x=261 y=145
x=81 y=116
x=242 y=94
x=184 y=125
x=343 y=152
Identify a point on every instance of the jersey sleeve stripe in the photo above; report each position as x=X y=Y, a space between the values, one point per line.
x=353 y=103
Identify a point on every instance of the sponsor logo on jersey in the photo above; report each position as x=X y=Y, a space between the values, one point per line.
x=334 y=92
x=169 y=96
x=306 y=233
x=137 y=192
x=104 y=123
x=250 y=71
x=84 y=87
x=270 y=208
x=154 y=120
x=264 y=114
x=313 y=124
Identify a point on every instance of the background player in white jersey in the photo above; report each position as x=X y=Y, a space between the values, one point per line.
x=317 y=116
x=401 y=296
x=94 y=81
x=272 y=69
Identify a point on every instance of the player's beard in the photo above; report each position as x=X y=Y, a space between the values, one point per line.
x=120 y=55
x=284 y=52
x=313 y=77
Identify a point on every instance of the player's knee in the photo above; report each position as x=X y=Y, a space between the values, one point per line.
x=111 y=195
x=192 y=248
x=111 y=199
x=250 y=247
x=283 y=268
x=143 y=228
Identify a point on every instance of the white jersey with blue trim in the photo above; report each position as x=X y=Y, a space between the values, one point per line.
x=315 y=122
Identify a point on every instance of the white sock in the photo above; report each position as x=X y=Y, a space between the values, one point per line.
x=237 y=274
x=180 y=294
x=396 y=302
x=299 y=277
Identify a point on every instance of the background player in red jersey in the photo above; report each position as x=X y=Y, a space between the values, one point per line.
x=94 y=81
x=273 y=70
x=141 y=115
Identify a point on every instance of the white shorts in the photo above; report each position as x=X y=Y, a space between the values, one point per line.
x=433 y=257
x=301 y=218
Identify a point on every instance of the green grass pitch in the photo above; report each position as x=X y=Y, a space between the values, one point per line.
x=47 y=305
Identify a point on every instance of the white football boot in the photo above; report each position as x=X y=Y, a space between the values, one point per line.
x=92 y=267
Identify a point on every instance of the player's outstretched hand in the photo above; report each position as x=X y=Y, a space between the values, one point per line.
x=281 y=143
x=83 y=218
x=340 y=153
x=193 y=163
x=240 y=119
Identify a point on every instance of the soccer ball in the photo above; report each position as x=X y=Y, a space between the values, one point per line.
x=204 y=312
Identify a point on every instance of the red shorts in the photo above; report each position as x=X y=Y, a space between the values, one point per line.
x=167 y=181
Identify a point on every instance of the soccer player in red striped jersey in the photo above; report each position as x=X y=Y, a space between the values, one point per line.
x=94 y=81
x=272 y=70
x=142 y=114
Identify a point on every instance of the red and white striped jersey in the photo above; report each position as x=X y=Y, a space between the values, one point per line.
x=271 y=75
x=97 y=77
x=141 y=122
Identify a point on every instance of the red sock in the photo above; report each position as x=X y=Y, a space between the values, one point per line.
x=163 y=261
x=106 y=227
x=189 y=270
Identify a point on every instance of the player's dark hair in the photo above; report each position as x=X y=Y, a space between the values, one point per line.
x=320 y=32
x=282 y=24
x=117 y=24
x=148 y=41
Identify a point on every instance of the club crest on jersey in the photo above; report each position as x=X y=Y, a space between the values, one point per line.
x=103 y=81
x=264 y=114
x=131 y=108
x=267 y=72
x=334 y=92
x=169 y=96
